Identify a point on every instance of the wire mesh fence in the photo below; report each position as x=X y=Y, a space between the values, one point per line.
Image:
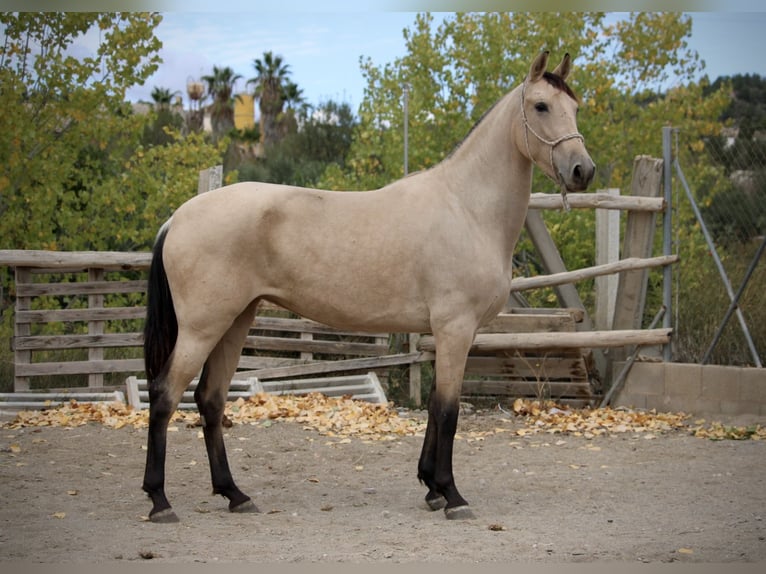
x=726 y=178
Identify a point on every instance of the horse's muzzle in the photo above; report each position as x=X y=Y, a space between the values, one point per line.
x=579 y=174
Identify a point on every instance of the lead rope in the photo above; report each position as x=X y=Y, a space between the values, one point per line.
x=552 y=143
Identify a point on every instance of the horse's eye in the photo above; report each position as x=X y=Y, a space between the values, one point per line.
x=541 y=107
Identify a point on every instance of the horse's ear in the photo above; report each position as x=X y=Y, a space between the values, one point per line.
x=538 y=66
x=564 y=67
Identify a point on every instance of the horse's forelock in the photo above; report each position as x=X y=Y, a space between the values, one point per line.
x=558 y=82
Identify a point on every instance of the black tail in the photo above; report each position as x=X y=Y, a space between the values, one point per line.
x=161 y=328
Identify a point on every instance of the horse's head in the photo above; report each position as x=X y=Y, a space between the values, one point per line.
x=550 y=136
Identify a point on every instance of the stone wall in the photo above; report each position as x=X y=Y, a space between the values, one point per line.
x=695 y=389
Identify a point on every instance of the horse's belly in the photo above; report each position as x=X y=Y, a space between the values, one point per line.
x=355 y=310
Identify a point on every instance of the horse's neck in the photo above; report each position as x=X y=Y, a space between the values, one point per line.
x=489 y=159
x=488 y=173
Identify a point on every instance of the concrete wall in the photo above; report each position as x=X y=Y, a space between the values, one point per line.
x=695 y=389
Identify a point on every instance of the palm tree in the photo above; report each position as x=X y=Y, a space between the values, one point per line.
x=220 y=86
x=269 y=91
x=293 y=96
x=163 y=97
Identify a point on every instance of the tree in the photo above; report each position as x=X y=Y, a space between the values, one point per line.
x=220 y=87
x=165 y=118
x=293 y=96
x=163 y=97
x=302 y=156
x=269 y=90
x=55 y=106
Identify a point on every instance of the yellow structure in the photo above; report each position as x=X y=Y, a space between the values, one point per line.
x=244 y=111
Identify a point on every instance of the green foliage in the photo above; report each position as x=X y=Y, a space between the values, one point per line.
x=81 y=171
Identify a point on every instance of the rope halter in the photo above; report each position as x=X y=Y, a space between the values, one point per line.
x=551 y=143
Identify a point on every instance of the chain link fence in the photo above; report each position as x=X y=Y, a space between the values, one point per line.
x=719 y=193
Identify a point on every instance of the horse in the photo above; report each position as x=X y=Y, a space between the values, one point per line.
x=431 y=252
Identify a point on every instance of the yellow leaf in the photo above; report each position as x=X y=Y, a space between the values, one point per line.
x=685 y=551
x=59 y=515
x=15 y=449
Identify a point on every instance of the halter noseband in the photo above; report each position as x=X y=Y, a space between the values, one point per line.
x=551 y=143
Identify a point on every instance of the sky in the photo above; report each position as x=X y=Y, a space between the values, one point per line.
x=323 y=49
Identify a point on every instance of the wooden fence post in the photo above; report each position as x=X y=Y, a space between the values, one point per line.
x=23 y=303
x=639 y=236
x=210 y=179
x=640 y=229
x=95 y=301
x=607 y=251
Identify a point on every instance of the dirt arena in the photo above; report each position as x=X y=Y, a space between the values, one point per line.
x=73 y=495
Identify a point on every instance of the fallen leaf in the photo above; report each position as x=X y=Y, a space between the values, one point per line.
x=14 y=448
x=685 y=551
x=73 y=492
x=59 y=515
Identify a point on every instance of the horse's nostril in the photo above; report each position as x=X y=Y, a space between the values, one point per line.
x=577 y=173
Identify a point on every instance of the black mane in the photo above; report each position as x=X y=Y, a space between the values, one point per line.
x=558 y=82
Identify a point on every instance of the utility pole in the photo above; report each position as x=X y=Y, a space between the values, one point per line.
x=406 y=88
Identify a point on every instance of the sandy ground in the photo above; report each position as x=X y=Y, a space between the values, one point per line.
x=73 y=495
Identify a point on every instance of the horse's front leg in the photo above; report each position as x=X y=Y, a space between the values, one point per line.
x=435 y=466
x=427 y=463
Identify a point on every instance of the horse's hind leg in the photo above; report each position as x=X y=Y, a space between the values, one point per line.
x=164 y=395
x=211 y=399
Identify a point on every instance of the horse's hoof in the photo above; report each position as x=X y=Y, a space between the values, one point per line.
x=244 y=507
x=166 y=516
x=459 y=513
x=436 y=503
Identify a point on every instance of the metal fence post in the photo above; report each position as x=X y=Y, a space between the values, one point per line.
x=667 y=236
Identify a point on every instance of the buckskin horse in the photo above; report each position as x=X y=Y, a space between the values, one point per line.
x=430 y=252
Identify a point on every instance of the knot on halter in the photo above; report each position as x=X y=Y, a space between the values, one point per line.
x=551 y=143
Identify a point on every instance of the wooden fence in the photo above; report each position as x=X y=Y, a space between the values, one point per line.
x=81 y=314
